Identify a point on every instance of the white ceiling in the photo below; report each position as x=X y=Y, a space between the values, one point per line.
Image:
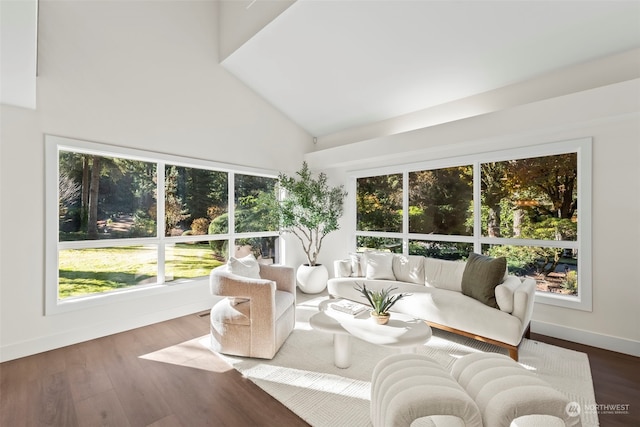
x=331 y=65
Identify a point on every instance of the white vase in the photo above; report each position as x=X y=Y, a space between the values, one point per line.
x=312 y=279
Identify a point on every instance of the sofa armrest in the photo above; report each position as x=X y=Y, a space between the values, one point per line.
x=516 y=297
x=523 y=299
x=504 y=293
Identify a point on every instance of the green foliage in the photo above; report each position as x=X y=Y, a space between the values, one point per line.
x=551 y=229
x=200 y=226
x=310 y=209
x=442 y=196
x=257 y=212
x=520 y=259
x=174 y=208
x=380 y=301
x=219 y=225
x=441 y=250
x=379 y=203
x=365 y=243
x=570 y=281
x=143 y=226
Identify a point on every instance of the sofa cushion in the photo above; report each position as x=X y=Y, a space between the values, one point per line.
x=409 y=269
x=379 y=265
x=444 y=274
x=246 y=266
x=481 y=276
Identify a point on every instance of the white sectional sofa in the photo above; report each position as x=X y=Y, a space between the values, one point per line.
x=438 y=297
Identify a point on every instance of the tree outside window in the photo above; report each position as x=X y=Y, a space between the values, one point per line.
x=527 y=212
x=109 y=236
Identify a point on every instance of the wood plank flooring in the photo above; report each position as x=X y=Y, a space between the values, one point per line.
x=106 y=382
x=616 y=381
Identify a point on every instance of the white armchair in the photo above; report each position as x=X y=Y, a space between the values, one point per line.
x=257 y=315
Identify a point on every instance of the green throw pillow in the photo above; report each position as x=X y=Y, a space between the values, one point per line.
x=481 y=276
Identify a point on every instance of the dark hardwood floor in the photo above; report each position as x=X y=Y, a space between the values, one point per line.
x=616 y=381
x=110 y=382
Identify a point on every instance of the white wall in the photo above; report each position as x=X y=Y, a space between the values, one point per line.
x=611 y=116
x=18 y=48
x=143 y=75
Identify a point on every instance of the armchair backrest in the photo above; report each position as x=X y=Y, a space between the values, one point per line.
x=225 y=283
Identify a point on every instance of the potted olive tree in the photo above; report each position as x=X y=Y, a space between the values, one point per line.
x=309 y=209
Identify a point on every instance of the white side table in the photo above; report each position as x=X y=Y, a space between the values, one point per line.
x=402 y=331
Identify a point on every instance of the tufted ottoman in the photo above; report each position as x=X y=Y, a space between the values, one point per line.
x=505 y=391
x=406 y=387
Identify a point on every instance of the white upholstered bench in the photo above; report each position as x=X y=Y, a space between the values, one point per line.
x=407 y=387
x=482 y=389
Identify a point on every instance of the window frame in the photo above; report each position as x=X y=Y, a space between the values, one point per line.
x=583 y=149
x=55 y=144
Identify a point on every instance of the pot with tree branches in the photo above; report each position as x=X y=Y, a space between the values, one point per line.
x=309 y=209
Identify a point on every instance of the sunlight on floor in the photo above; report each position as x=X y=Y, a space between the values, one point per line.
x=310 y=380
x=193 y=354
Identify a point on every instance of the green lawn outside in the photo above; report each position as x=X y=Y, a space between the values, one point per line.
x=90 y=271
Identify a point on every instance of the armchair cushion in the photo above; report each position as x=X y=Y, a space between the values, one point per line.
x=284 y=300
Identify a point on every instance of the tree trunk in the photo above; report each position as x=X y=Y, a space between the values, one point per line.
x=493 y=222
x=84 y=205
x=92 y=221
x=518 y=215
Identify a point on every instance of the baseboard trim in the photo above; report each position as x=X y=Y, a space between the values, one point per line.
x=51 y=342
x=607 y=342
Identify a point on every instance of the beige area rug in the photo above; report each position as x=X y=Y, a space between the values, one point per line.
x=302 y=375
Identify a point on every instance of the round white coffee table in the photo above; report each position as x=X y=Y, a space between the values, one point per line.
x=402 y=331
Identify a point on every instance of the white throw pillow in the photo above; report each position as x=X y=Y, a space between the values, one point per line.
x=247 y=266
x=409 y=269
x=357 y=264
x=342 y=268
x=379 y=266
x=505 y=292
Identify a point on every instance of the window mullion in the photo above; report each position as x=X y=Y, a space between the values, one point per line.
x=405 y=212
x=477 y=208
x=231 y=189
x=160 y=223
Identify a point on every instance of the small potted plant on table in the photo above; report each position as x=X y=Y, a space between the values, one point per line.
x=380 y=301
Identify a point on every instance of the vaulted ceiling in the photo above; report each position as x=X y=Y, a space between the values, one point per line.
x=331 y=65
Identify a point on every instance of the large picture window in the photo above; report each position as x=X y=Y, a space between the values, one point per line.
x=132 y=220
x=531 y=205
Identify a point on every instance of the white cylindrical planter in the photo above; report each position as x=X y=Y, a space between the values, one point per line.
x=312 y=279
